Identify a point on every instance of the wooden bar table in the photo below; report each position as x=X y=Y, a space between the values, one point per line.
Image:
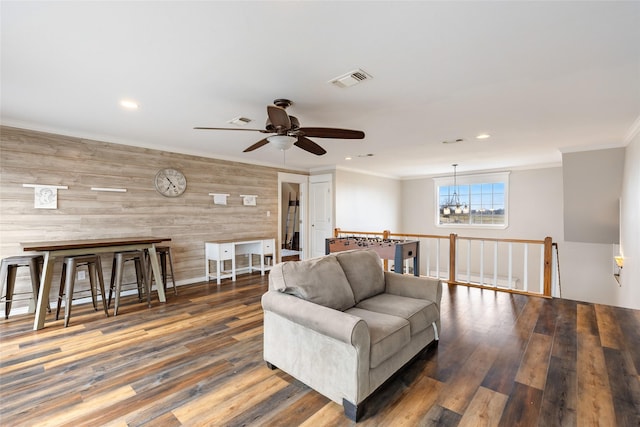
x=56 y=249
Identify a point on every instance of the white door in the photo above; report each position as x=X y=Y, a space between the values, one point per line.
x=320 y=213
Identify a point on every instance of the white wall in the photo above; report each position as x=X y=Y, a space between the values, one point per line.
x=588 y=177
x=535 y=204
x=628 y=294
x=587 y=255
x=367 y=202
x=536 y=211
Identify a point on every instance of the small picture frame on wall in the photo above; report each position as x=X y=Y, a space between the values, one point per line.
x=45 y=196
x=249 y=200
x=219 y=198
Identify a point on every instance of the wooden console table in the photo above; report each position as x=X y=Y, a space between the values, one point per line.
x=226 y=250
x=57 y=249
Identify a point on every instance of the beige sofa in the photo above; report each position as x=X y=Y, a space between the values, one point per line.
x=343 y=326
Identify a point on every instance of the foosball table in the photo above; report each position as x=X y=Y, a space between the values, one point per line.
x=396 y=250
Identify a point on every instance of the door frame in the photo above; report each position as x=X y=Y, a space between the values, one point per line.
x=330 y=179
x=303 y=182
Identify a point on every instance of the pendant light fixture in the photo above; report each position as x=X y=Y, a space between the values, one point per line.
x=453 y=203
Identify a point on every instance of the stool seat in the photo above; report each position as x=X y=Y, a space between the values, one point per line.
x=117 y=271
x=8 y=279
x=67 y=282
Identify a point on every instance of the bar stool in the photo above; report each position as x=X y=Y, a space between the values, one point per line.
x=68 y=279
x=119 y=260
x=164 y=253
x=8 y=277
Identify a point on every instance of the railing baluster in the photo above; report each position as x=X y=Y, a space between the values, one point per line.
x=455 y=259
x=526 y=267
x=495 y=264
x=542 y=269
x=438 y=258
x=468 y=261
x=482 y=262
x=510 y=267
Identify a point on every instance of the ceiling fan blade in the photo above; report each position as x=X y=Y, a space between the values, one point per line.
x=256 y=145
x=310 y=146
x=253 y=130
x=333 y=133
x=278 y=117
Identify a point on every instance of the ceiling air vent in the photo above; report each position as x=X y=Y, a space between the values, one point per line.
x=240 y=121
x=351 y=78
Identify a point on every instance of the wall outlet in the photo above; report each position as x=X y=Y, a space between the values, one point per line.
x=81 y=275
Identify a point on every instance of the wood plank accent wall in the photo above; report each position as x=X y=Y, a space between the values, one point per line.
x=30 y=157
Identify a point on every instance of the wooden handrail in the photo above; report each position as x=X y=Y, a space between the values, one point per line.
x=420 y=236
x=486 y=239
x=453 y=238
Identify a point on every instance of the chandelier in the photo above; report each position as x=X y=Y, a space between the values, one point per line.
x=453 y=203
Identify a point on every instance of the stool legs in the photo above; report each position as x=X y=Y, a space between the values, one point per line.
x=119 y=258
x=8 y=279
x=34 y=270
x=68 y=277
x=10 y=274
x=164 y=254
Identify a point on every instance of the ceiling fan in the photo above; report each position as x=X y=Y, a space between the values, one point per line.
x=288 y=132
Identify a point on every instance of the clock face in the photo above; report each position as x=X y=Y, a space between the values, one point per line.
x=170 y=182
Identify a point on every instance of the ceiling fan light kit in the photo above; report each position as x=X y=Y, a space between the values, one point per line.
x=282 y=142
x=289 y=133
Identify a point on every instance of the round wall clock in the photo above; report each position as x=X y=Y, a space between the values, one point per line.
x=170 y=182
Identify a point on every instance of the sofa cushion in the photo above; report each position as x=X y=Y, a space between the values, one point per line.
x=420 y=313
x=363 y=268
x=388 y=334
x=318 y=280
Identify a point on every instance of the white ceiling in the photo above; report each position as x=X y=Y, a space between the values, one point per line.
x=540 y=77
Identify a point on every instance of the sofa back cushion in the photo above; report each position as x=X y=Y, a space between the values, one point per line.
x=318 y=280
x=363 y=268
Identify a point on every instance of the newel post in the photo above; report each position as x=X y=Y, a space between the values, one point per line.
x=452 y=257
x=548 y=243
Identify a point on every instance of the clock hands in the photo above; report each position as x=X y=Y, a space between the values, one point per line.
x=171 y=184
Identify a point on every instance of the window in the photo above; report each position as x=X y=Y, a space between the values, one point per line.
x=473 y=200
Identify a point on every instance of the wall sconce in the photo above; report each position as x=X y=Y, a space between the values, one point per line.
x=619 y=263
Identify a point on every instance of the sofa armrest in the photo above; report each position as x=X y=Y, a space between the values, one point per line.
x=326 y=321
x=413 y=287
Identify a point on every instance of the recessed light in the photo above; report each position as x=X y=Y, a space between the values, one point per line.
x=348 y=158
x=483 y=136
x=129 y=104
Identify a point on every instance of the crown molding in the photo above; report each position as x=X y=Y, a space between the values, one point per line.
x=634 y=130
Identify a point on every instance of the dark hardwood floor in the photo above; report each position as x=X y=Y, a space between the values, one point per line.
x=503 y=359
